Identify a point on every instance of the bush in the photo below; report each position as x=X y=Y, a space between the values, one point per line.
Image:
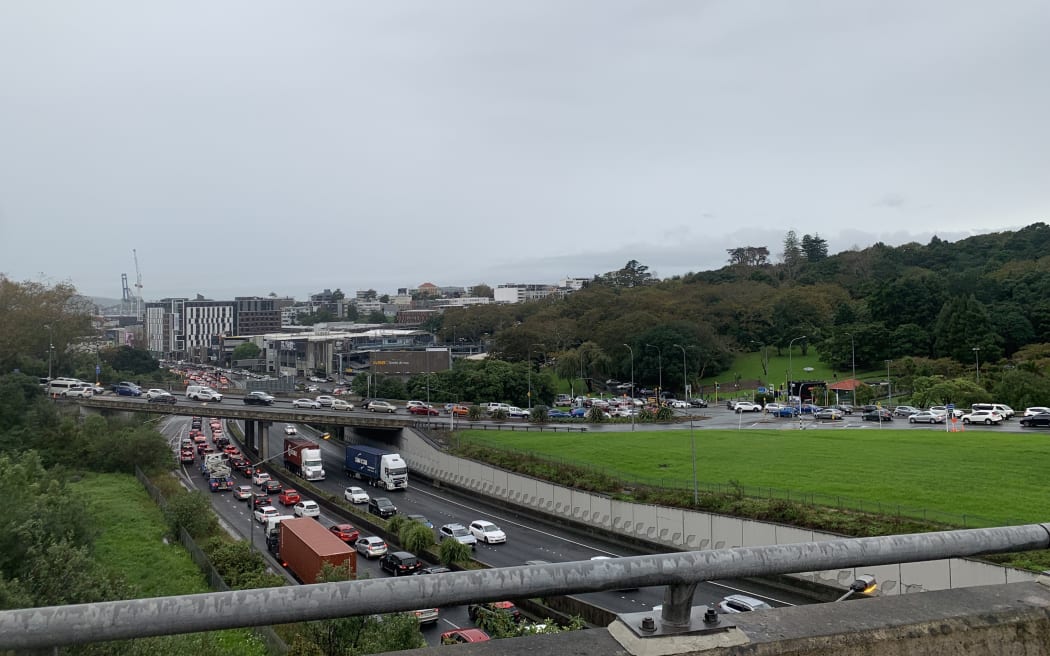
x=499 y=415
x=539 y=415
x=664 y=414
x=191 y=511
x=474 y=413
x=595 y=415
x=415 y=537
x=453 y=551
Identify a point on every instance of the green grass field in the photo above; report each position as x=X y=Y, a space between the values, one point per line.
x=131 y=544
x=992 y=477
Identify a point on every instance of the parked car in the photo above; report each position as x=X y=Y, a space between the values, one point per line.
x=355 y=495
x=878 y=414
x=457 y=532
x=829 y=414
x=399 y=563
x=746 y=406
x=578 y=413
x=558 y=414
x=258 y=397
x=306 y=403
x=986 y=417
x=345 y=532
x=904 y=411
x=382 y=507
x=371 y=546
x=741 y=604
x=927 y=417
x=423 y=410
x=307 y=509
x=380 y=406
x=1041 y=420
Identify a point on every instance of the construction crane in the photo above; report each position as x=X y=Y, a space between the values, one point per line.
x=126 y=300
x=138 y=285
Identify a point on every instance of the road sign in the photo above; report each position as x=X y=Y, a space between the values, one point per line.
x=951 y=406
x=761 y=390
x=98 y=370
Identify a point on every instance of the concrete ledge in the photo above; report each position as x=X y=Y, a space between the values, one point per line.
x=1003 y=620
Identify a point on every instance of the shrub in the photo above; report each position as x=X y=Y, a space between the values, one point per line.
x=191 y=511
x=539 y=415
x=453 y=551
x=595 y=415
x=415 y=537
x=499 y=415
x=474 y=413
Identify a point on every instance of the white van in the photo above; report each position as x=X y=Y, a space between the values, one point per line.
x=61 y=386
x=1006 y=411
x=202 y=393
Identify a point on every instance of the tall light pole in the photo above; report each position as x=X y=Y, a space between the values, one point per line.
x=791 y=374
x=977 y=358
x=853 y=358
x=765 y=361
x=685 y=385
x=632 y=384
x=692 y=435
x=528 y=364
x=889 y=383
x=50 y=349
x=660 y=372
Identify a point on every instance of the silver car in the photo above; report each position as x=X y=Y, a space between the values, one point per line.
x=741 y=604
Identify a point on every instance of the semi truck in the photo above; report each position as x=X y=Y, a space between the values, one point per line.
x=378 y=467
x=273 y=533
x=303 y=458
x=216 y=469
x=305 y=545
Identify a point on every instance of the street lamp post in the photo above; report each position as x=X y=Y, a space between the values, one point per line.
x=692 y=435
x=889 y=383
x=632 y=384
x=528 y=365
x=853 y=357
x=660 y=372
x=977 y=359
x=791 y=374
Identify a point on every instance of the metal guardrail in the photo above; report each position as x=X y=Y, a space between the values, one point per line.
x=34 y=628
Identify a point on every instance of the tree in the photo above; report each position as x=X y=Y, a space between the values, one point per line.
x=483 y=291
x=33 y=317
x=749 y=256
x=376 y=316
x=415 y=537
x=962 y=325
x=191 y=511
x=792 y=255
x=632 y=274
x=814 y=248
x=453 y=552
x=246 y=351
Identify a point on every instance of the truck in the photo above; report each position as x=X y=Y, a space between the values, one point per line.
x=303 y=458
x=305 y=545
x=216 y=469
x=378 y=467
x=273 y=533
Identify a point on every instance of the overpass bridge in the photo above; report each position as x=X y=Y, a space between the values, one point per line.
x=258 y=420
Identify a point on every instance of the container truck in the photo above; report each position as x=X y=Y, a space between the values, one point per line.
x=273 y=533
x=305 y=545
x=378 y=467
x=216 y=469
x=303 y=458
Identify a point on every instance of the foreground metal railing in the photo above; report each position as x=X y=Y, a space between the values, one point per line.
x=33 y=628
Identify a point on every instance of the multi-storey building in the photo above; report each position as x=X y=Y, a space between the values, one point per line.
x=519 y=293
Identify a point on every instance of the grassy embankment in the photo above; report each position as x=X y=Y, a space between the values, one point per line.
x=131 y=545
x=991 y=477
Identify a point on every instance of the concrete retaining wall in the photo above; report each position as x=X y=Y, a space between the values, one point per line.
x=685 y=529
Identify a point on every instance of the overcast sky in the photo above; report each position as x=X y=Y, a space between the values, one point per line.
x=257 y=146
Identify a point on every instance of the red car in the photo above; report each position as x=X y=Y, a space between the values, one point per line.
x=345 y=532
x=232 y=451
x=423 y=410
x=289 y=497
x=459 y=636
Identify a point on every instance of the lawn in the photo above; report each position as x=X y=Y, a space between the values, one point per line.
x=991 y=477
x=131 y=544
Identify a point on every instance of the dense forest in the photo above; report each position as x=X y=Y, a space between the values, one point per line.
x=936 y=302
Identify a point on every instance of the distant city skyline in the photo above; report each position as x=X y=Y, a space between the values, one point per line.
x=245 y=147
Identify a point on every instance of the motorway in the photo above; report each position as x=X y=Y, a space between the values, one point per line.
x=528 y=539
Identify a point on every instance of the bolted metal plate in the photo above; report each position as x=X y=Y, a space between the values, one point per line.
x=697 y=626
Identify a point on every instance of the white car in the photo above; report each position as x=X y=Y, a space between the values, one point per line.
x=290 y=430
x=679 y=404
x=371 y=546
x=306 y=403
x=1036 y=410
x=381 y=406
x=307 y=509
x=339 y=404
x=487 y=532
x=355 y=495
x=415 y=404
x=986 y=417
x=82 y=391
x=259 y=478
x=772 y=407
x=325 y=400
x=265 y=513
x=746 y=406
x=152 y=393
x=518 y=413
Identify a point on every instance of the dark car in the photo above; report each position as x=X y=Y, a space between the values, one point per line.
x=877 y=415
x=382 y=506
x=127 y=389
x=422 y=520
x=1041 y=420
x=437 y=569
x=480 y=612
x=272 y=487
x=400 y=562
x=162 y=398
x=698 y=403
x=258 y=398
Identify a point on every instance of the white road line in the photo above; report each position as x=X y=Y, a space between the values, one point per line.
x=450 y=623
